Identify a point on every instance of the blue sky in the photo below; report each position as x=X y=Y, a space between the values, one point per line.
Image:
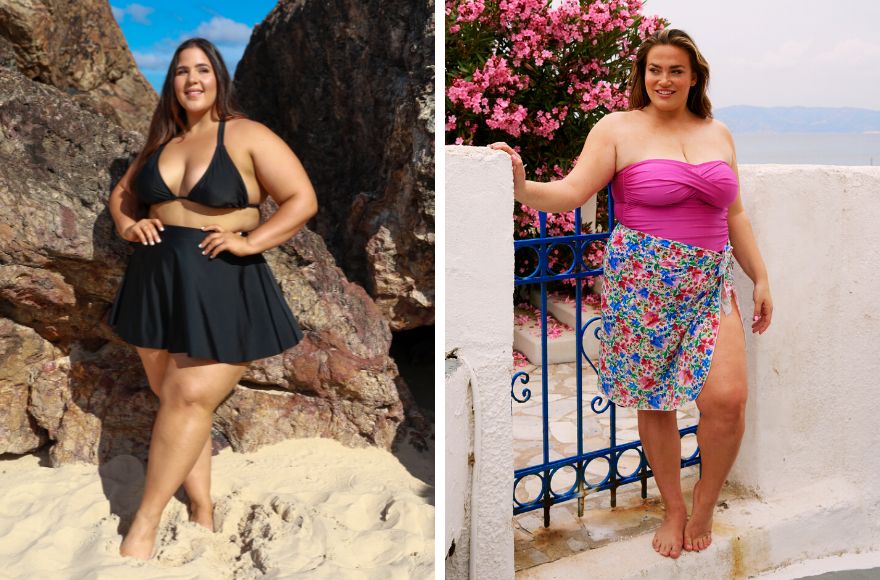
x=154 y=28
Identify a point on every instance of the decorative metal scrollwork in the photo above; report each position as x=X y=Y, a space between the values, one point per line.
x=526 y=392
x=596 y=400
x=583 y=333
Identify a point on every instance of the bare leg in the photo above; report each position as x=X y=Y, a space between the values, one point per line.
x=658 y=431
x=198 y=481
x=722 y=403
x=191 y=391
x=198 y=488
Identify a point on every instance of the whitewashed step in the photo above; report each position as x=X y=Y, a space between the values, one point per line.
x=563 y=312
x=560 y=349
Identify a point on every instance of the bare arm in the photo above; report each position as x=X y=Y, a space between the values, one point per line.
x=747 y=254
x=125 y=209
x=281 y=174
x=595 y=168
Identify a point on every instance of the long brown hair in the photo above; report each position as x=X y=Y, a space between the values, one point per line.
x=698 y=101
x=169 y=118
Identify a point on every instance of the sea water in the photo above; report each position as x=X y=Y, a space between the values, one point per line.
x=808 y=148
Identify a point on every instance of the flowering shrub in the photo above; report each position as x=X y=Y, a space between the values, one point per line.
x=540 y=74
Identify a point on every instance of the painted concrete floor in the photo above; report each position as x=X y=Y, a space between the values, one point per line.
x=568 y=534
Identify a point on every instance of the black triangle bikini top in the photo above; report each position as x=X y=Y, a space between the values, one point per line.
x=220 y=186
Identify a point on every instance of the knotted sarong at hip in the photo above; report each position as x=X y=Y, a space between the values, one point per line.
x=661 y=309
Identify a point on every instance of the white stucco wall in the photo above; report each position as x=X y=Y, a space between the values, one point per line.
x=479 y=329
x=813 y=416
x=458 y=453
x=813 y=400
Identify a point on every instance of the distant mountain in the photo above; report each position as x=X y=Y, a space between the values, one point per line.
x=748 y=119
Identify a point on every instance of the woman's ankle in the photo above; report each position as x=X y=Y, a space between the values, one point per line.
x=201 y=504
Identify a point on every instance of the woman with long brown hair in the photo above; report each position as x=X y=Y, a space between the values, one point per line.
x=671 y=328
x=198 y=300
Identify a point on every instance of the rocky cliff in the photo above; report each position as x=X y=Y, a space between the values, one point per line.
x=78 y=48
x=349 y=85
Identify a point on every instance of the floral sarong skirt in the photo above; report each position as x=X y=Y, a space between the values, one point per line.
x=661 y=309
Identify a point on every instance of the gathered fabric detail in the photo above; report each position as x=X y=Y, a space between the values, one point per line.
x=661 y=309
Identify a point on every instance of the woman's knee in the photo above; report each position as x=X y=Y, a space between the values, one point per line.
x=728 y=404
x=189 y=394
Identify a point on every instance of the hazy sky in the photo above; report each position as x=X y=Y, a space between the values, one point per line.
x=784 y=52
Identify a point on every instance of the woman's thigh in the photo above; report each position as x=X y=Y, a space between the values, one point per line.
x=199 y=381
x=726 y=384
x=155 y=361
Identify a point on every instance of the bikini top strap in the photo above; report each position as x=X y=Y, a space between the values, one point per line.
x=220 y=132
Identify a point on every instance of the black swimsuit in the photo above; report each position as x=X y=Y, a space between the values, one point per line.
x=229 y=309
x=220 y=186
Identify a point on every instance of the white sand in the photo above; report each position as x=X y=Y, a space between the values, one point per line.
x=307 y=508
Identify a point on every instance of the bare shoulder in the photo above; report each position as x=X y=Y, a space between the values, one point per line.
x=616 y=120
x=610 y=127
x=256 y=137
x=720 y=129
x=249 y=130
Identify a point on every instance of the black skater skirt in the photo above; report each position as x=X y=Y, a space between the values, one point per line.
x=229 y=309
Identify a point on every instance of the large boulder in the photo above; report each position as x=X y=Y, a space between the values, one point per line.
x=61 y=263
x=351 y=91
x=79 y=48
x=23 y=353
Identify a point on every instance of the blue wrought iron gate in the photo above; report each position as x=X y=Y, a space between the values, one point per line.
x=542 y=274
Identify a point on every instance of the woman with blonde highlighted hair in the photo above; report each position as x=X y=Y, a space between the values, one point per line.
x=671 y=331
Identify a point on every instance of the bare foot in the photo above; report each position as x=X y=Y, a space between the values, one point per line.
x=668 y=537
x=141 y=538
x=698 y=532
x=202 y=515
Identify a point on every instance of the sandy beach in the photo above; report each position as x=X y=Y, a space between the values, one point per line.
x=306 y=508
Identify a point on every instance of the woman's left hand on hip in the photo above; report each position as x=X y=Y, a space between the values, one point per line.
x=224 y=241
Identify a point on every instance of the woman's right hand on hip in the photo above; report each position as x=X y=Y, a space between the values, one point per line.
x=519 y=168
x=145 y=231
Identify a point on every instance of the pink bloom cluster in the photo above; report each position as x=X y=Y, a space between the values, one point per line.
x=520 y=360
x=562 y=51
x=497 y=78
x=558 y=224
x=546 y=123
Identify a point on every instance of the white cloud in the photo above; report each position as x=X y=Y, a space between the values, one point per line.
x=138 y=12
x=851 y=52
x=221 y=30
x=154 y=61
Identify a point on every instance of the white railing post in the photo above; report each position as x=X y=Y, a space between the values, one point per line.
x=479 y=331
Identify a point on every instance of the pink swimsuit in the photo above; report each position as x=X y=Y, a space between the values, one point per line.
x=676 y=200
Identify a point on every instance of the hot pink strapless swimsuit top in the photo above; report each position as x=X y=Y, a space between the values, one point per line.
x=676 y=200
